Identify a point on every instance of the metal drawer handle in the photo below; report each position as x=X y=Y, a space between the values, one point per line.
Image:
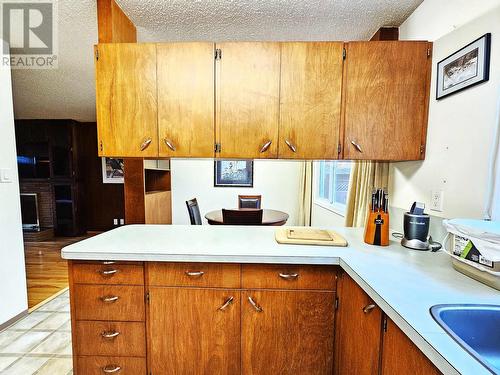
x=195 y=274
x=169 y=144
x=357 y=146
x=108 y=272
x=108 y=262
x=226 y=304
x=111 y=369
x=265 y=146
x=109 y=299
x=289 y=276
x=255 y=305
x=110 y=335
x=291 y=145
x=145 y=144
x=369 y=308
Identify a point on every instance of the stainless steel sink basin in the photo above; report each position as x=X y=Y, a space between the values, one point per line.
x=476 y=328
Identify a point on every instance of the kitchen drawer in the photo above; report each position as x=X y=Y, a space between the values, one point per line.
x=97 y=365
x=214 y=275
x=288 y=276
x=110 y=338
x=101 y=273
x=125 y=303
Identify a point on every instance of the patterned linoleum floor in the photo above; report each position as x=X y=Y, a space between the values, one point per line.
x=40 y=343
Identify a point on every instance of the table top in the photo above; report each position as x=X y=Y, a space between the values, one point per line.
x=269 y=217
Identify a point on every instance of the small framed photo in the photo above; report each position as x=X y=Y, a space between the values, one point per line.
x=112 y=171
x=234 y=173
x=467 y=67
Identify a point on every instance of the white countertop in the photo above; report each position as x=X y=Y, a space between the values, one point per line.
x=404 y=283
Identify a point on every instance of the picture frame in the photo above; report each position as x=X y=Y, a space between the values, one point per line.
x=467 y=67
x=112 y=171
x=233 y=173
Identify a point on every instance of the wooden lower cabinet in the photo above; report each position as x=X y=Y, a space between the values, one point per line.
x=194 y=331
x=287 y=332
x=358 y=330
x=401 y=356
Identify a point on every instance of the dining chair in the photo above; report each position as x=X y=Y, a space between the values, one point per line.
x=249 y=201
x=241 y=217
x=194 y=211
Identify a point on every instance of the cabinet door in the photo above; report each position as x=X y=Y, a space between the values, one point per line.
x=126 y=100
x=359 y=323
x=287 y=332
x=186 y=99
x=194 y=331
x=386 y=100
x=310 y=100
x=247 y=82
x=401 y=356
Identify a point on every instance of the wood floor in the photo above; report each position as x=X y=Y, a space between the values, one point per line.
x=46 y=271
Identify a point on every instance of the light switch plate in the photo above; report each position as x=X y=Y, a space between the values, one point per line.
x=6 y=175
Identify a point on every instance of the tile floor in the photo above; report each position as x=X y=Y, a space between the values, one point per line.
x=40 y=343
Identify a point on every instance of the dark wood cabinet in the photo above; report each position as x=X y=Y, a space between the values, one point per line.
x=358 y=330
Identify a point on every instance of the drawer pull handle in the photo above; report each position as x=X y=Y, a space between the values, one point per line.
x=226 y=304
x=265 y=146
x=108 y=272
x=110 y=335
x=195 y=274
x=290 y=145
x=289 y=276
x=144 y=145
x=108 y=262
x=369 y=308
x=255 y=305
x=109 y=299
x=111 y=369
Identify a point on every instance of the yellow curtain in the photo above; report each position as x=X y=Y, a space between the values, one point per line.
x=365 y=176
x=305 y=194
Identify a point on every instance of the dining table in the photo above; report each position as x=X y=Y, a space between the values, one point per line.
x=269 y=217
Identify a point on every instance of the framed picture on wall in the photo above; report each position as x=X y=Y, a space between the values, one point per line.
x=467 y=67
x=234 y=173
x=112 y=171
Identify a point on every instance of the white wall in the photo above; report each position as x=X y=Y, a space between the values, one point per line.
x=460 y=126
x=277 y=182
x=13 y=298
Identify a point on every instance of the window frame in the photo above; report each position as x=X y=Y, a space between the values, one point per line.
x=327 y=204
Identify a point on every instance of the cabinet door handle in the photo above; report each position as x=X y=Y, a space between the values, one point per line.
x=290 y=145
x=254 y=305
x=110 y=335
x=265 y=146
x=226 y=304
x=289 y=276
x=145 y=144
x=369 y=308
x=169 y=144
x=108 y=272
x=109 y=299
x=111 y=369
x=195 y=274
x=356 y=146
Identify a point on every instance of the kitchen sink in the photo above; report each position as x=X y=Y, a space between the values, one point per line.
x=476 y=328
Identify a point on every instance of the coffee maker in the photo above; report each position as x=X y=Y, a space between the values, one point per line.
x=416 y=226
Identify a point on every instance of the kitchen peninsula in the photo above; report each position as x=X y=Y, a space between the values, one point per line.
x=228 y=300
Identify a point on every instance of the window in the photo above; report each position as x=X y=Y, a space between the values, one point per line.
x=332 y=184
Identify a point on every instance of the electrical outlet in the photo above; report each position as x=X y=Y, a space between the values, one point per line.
x=115 y=221
x=122 y=221
x=437 y=197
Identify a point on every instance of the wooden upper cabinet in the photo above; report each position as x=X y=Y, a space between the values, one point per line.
x=287 y=332
x=386 y=97
x=358 y=330
x=247 y=97
x=401 y=356
x=186 y=99
x=310 y=100
x=126 y=99
x=194 y=331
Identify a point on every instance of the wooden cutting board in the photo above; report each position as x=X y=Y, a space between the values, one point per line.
x=309 y=236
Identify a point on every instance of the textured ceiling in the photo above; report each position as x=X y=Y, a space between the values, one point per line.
x=68 y=92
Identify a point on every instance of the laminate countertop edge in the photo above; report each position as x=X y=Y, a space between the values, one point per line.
x=404 y=283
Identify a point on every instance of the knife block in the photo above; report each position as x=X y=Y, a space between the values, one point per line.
x=377 y=228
